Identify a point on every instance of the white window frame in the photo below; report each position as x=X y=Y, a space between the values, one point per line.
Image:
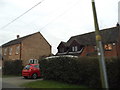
x=73 y=48
x=5 y=51
x=17 y=50
x=10 y=51
x=76 y=48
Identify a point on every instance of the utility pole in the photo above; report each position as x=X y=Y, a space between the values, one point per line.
x=102 y=65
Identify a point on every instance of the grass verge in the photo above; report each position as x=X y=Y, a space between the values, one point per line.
x=50 y=84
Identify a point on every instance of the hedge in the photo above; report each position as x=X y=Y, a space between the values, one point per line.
x=81 y=71
x=12 y=67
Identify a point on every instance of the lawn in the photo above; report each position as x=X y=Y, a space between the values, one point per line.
x=50 y=84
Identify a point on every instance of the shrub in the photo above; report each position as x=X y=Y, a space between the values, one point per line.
x=12 y=67
x=83 y=71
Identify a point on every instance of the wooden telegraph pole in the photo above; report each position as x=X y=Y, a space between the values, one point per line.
x=100 y=49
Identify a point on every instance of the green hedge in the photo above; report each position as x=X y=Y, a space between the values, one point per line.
x=12 y=67
x=82 y=71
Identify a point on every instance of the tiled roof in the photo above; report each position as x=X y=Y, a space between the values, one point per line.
x=17 y=41
x=109 y=35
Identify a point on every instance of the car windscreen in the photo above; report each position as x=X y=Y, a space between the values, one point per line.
x=36 y=66
x=27 y=67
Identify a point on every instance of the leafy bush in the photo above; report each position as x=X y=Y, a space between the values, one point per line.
x=83 y=71
x=13 y=67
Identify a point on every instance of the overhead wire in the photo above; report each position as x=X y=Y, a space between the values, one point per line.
x=21 y=15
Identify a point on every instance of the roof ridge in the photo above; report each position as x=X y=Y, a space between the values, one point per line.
x=18 y=40
x=109 y=35
x=94 y=31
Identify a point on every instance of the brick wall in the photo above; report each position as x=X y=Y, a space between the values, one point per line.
x=34 y=47
x=13 y=55
x=87 y=50
x=110 y=53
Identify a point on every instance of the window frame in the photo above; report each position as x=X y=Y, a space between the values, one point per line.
x=10 y=51
x=17 y=50
x=74 y=48
x=108 y=47
x=5 y=51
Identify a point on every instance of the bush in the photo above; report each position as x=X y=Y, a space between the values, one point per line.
x=13 y=67
x=83 y=71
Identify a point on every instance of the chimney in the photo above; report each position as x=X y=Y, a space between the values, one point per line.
x=18 y=36
x=117 y=24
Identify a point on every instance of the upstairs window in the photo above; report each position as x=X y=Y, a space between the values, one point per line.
x=10 y=51
x=5 y=51
x=74 y=48
x=17 y=49
x=108 y=47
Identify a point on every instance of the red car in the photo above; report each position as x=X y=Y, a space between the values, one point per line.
x=31 y=71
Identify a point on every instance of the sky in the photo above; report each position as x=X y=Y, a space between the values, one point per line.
x=57 y=20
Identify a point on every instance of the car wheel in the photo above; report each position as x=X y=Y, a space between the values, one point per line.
x=25 y=77
x=34 y=76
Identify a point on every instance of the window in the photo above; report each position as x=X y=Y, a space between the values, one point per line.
x=17 y=49
x=5 y=51
x=27 y=67
x=36 y=66
x=74 y=48
x=10 y=51
x=108 y=47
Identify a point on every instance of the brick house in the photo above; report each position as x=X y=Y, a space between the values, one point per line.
x=32 y=46
x=85 y=44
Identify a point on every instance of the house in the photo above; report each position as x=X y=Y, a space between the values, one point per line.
x=85 y=44
x=33 y=46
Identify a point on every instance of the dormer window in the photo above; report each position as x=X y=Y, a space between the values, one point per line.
x=74 y=48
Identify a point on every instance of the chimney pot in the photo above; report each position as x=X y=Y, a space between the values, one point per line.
x=18 y=36
x=117 y=24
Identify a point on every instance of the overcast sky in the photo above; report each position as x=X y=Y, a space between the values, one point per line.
x=57 y=20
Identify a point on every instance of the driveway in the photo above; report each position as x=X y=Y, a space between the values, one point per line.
x=17 y=81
